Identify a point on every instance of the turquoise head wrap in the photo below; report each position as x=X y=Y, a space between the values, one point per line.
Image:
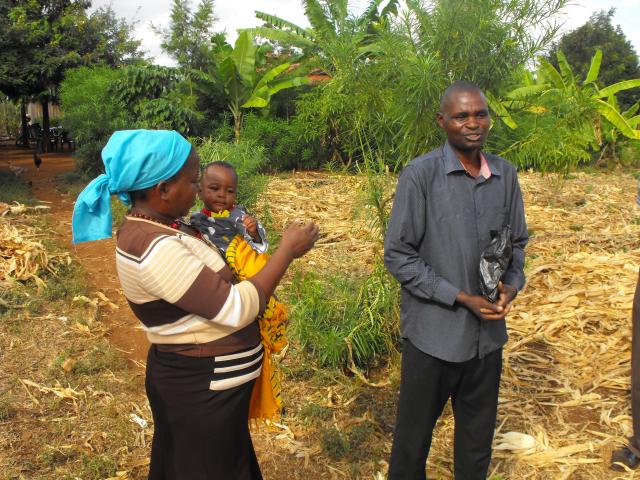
x=133 y=160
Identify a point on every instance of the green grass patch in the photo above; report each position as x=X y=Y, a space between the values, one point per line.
x=75 y=392
x=354 y=443
x=313 y=412
x=14 y=189
x=328 y=314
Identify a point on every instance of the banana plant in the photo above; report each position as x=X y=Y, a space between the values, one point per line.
x=562 y=83
x=236 y=70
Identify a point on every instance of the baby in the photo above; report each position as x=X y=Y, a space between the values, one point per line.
x=243 y=244
x=221 y=219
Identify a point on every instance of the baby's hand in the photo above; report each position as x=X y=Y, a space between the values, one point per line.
x=251 y=224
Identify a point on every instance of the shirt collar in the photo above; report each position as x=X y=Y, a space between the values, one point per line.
x=453 y=164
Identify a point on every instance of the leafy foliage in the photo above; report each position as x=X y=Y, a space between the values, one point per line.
x=235 y=69
x=157 y=97
x=283 y=141
x=92 y=112
x=619 y=60
x=41 y=39
x=328 y=314
x=569 y=114
x=386 y=70
x=187 y=39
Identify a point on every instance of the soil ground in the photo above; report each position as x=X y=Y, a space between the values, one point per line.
x=280 y=453
x=566 y=370
x=96 y=257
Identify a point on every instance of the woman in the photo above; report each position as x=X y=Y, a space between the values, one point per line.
x=205 y=349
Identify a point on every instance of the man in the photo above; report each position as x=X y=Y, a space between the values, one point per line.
x=629 y=456
x=447 y=204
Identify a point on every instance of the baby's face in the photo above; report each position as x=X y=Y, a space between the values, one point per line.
x=218 y=188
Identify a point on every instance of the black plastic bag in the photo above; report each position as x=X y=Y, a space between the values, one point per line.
x=494 y=262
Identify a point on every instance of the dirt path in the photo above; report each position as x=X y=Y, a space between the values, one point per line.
x=97 y=258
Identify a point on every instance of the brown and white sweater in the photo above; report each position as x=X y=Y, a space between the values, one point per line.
x=183 y=293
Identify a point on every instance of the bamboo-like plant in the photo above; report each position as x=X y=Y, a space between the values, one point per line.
x=322 y=43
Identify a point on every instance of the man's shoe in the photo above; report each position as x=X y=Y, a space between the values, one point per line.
x=624 y=457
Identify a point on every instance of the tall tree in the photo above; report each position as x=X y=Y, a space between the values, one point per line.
x=187 y=39
x=619 y=59
x=41 y=39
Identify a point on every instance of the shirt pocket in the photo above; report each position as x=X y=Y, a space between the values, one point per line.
x=494 y=219
x=448 y=209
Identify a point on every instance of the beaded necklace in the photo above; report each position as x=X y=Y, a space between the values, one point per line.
x=173 y=224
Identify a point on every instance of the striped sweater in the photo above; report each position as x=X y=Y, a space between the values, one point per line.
x=183 y=293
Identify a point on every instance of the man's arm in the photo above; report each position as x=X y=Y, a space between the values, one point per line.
x=405 y=233
x=514 y=276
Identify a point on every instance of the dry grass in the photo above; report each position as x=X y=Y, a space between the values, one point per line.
x=565 y=381
x=66 y=395
x=566 y=376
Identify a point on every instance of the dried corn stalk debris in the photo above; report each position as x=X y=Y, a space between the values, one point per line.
x=23 y=257
x=564 y=400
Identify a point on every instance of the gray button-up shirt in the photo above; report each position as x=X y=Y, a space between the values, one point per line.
x=440 y=223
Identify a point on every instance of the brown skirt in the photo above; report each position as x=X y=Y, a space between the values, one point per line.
x=199 y=434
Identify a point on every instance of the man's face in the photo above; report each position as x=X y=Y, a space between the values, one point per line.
x=465 y=119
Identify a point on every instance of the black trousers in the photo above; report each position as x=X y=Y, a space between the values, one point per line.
x=634 y=442
x=199 y=434
x=425 y=386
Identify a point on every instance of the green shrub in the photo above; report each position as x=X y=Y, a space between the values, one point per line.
x=630 y=153
x=92 y=112
x=329 y=314
x=284 y=142
x=9 y=119
x=246 y=157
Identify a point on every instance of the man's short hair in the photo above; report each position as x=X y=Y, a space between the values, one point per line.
x=456 y=87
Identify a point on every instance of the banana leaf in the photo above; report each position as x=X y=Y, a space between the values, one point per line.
x=244 y=57
x=522 y=93
x=284 y=37
x=262 y=95
x=617 y=87
x=565 y=69
x=631 y=111
x=550 y=72
x=282 y=23
x=618 y=121
x=501 y=111
x=594 y=68
x=271 y=74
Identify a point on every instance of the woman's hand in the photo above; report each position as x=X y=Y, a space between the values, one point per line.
x=296 y=240
x=299 y=238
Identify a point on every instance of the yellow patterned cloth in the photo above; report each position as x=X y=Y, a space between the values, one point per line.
x=266 y=400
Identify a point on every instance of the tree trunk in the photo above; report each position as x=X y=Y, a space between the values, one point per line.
x=46 y=143
x=23 y=121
